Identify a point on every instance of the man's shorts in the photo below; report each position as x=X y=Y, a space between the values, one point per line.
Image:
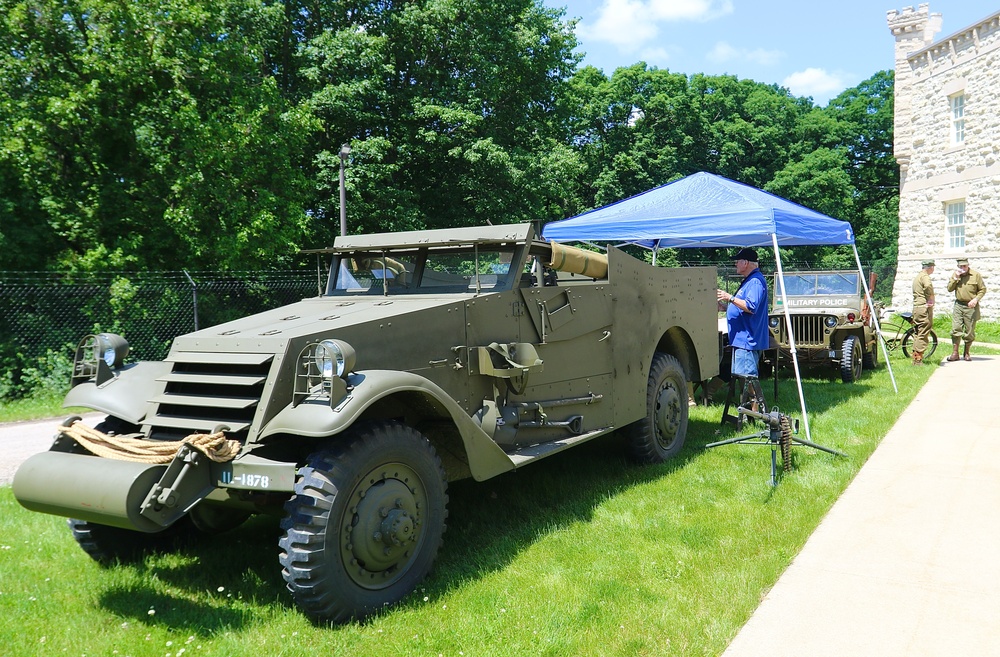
x=745 y=362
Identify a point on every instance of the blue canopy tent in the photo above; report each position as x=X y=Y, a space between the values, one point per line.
x=703 y=210
x=706 y=210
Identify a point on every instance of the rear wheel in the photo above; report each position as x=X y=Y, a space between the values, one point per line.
x=365 y=523
x=932 y=342
x=850 y=359
x=660 y=435
x=910 y=336
x=870 y=359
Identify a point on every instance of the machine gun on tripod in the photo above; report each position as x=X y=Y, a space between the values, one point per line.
x=779 y=434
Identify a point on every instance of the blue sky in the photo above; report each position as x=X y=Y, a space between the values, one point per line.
x=812 y=48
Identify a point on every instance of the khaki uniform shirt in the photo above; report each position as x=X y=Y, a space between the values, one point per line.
x=923 y=289
x=968 y=287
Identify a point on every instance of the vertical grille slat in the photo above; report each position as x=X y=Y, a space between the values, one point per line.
x=809 y=330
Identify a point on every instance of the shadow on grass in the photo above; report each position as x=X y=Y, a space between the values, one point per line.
x=222 y=582
x=490 y=523
x=822 y=386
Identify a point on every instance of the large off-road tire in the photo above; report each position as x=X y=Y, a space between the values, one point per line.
x=870 y=359
x=365 y=523
x=109 y=545
x=660 y=435
x=908 y=337
x=850 y=359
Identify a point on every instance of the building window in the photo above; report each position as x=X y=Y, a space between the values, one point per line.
x=957 y=118
x=955 y=218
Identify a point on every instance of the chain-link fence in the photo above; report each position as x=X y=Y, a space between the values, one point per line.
x=45 y=315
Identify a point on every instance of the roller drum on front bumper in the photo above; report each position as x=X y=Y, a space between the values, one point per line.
x=104 y=491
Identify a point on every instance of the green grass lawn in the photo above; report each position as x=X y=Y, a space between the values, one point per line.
x=580 y=554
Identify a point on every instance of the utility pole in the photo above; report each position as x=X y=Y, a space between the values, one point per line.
x=345 y=150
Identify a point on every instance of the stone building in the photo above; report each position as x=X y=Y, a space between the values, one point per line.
x=947 y=145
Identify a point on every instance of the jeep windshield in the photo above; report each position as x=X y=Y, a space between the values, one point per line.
x=485 y=268
x=808 y=284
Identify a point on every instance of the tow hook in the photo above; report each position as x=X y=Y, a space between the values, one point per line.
x=184 y=483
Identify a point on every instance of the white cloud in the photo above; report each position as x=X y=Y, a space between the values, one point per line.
x=629 y=24
x=689 y=10
x=723 y=53
x=814 y=82
x=623 y=23
x=657 y=57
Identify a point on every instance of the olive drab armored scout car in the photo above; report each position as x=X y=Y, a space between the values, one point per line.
x=431 y=356
x=830 y=322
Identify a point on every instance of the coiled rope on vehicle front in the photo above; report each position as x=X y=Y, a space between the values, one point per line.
x=125 y=448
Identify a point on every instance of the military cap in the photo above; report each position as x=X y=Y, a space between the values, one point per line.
x=927 y=263
x=963 y=261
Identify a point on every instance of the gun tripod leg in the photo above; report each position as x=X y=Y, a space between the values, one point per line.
x=751 y=398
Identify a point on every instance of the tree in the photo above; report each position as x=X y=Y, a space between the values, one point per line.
x=147 y=135
x=450 y=108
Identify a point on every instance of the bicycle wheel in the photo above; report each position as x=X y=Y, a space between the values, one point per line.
x=908 y=338
x=931 y=344
x=893 y=336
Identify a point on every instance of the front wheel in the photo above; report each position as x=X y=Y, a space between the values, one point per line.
x=850 y=359
x=109 y=545
x=660 y=435
x=365 y=523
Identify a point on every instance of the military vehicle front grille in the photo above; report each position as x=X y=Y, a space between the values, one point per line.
x=204 y=391
x=809 y=330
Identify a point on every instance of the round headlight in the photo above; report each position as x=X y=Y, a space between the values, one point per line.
x=334 y=358
x=774 y=321
x=112 y=349
x=830 y=321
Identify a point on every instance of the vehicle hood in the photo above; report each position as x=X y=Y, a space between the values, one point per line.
x=271 y=331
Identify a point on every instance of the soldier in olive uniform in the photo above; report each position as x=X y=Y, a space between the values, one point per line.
x=923 y=310
x=969 y=289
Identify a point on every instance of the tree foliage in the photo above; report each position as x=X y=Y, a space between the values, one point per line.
x=189 y=133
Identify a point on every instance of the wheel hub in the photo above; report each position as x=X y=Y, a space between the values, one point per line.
x=668 y=414
x=381 y=531
x=396 y=529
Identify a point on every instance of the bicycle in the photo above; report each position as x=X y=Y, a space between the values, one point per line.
x=902 y=333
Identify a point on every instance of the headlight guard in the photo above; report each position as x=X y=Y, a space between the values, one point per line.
x=321 y=369
x=97 y=356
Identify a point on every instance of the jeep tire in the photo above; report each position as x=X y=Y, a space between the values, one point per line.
x=851 y=360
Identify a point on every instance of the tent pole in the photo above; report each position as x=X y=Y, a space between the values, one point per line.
x=656 y=250
x=791 y=336
x=874 y=315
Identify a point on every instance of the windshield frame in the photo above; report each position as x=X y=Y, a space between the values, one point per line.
x=421 y=262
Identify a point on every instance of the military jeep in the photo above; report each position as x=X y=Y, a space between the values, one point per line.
x=830 y=321
x=431 y=356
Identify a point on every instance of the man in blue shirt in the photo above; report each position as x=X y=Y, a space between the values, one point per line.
x=746 y=315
